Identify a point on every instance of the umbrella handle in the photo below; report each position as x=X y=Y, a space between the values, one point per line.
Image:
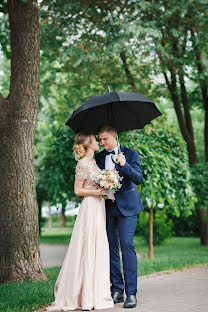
x=113 y=157
x=119 y=148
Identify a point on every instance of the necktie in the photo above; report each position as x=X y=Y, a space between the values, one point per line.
x=107 y=152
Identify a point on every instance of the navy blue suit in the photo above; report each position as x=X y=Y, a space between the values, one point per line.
x=121 y=218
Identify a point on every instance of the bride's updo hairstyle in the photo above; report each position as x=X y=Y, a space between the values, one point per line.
x=82 y=141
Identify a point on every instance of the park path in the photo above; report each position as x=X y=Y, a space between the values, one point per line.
x=53 y=255
x=171 y=291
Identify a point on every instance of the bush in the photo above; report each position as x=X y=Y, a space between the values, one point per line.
x=43 y=221
x=199 y=179
x=162 y=226
x=166 y=172
x=185 y=226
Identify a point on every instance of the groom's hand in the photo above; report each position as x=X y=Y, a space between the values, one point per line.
x=121 y=159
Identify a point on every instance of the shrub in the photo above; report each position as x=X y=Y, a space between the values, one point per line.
x=199 y=179
x=162 y=226
x=166 y=172
x=185 y=226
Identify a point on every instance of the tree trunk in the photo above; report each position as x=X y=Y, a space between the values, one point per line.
x=49 y=217
x=202 y=215
x=127 y=71
x=19 y=230
x=184 y=120
x=63 y=218
x=204 y=92
x=172 y=87
x=39 y=215
x=184 y=98
x=151 y=233
x=185 y=102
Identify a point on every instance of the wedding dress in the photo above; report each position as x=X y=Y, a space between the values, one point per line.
x=84 y=279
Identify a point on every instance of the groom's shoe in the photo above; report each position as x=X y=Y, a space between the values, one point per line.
x=117 y=297
x=130 y=302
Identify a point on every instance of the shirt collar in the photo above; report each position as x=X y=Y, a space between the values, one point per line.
x=115 y=149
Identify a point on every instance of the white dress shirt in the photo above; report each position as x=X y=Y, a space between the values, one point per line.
x=109 y=164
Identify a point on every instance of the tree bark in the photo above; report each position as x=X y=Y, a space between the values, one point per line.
x=184 y=131
x=49 y=217
x=202 y=215
x=184 y=98
x=127 y=71
x=204 y=91
x=151 y=233
x=184 y=120
x=39 y=201
x=63 y=218
x=19 y=230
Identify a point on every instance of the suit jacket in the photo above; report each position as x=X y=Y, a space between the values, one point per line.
x=127 y=197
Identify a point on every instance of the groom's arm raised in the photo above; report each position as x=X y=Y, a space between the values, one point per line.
x=133 y=170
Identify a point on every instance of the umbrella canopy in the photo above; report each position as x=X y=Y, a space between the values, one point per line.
x=124 y=110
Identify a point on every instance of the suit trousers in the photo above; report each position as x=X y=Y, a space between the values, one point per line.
x=121 y=228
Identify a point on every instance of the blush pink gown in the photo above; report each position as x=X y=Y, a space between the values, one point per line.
x=84 y=279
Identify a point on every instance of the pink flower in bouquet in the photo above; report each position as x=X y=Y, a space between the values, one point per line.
x=109 y=179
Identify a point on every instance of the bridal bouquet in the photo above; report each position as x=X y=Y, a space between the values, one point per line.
x=109 y=179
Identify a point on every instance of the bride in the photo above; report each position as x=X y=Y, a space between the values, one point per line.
x=84 y=279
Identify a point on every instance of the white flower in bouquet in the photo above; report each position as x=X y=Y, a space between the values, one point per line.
x=109 y=179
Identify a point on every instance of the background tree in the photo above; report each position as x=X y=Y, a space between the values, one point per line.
x=166 y=174
x=200 y=183
x=88 y=45
x=19 y=243
x=55 y=168
x=139 y=43
x=147 y=37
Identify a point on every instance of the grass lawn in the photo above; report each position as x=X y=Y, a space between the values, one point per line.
x=178 y=252
x=56 y=221
x=56 y=236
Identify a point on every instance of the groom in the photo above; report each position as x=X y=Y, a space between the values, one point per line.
x=121 y=214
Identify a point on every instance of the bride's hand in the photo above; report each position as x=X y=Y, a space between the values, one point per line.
x=101 y=192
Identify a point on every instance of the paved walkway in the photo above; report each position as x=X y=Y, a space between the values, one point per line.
x=53 y=255
x=171 y=291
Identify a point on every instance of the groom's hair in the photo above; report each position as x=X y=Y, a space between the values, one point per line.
x=106 y=127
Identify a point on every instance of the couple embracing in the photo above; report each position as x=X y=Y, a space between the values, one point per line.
x=90 y=276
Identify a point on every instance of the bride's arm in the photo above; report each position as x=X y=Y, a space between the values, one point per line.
x=79 y=190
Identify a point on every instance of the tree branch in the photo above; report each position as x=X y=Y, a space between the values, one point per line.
x=127 y=71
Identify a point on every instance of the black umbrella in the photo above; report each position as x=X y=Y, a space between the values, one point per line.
x=124 y=110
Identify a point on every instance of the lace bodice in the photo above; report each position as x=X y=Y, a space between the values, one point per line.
x=86 y=169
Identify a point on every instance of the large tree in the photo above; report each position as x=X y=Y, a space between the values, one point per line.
x=147 y=37
x=19 y=232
